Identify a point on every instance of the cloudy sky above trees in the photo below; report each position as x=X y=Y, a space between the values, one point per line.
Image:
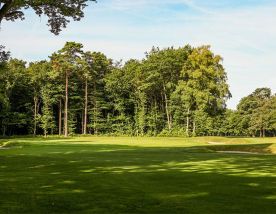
x=243 y=32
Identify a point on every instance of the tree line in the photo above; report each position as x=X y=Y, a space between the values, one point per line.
x=171 y=92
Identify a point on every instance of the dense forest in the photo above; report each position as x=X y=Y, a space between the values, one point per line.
x=171 y=92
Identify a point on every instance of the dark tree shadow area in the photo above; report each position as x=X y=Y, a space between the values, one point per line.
x=128 y=179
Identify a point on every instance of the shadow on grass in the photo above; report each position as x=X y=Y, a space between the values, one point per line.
x=128 y=179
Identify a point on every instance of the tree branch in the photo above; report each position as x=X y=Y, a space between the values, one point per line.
x=5 y=8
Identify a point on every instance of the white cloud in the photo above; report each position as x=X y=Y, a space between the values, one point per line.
x=243 y=36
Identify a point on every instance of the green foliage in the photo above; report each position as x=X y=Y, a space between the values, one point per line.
x=171 y=92
x=4 y=56
x=255 y=116
x=58 y=12
x=15 y=98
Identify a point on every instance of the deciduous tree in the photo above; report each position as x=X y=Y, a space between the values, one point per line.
x=59 y=12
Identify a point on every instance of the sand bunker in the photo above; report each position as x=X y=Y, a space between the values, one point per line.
x=238 y=152
x=216 y=143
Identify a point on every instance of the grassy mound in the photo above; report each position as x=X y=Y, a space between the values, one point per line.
x=250 y=148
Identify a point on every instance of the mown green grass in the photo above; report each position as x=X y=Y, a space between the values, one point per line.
x=137 y=175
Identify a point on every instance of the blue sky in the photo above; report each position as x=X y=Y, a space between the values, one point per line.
x=243 y=32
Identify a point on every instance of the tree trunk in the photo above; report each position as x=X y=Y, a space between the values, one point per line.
x=95 y=110
x=4 y=130
x=142 y=119
x=82 y=123
x=66 y=106
x=85 y=108
x=194 y=128
x=167 y=110
x=60 y=118
x=156 y=117
x=187 y=122
x=5 y=9
x=35 y=114
x=45 y=133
